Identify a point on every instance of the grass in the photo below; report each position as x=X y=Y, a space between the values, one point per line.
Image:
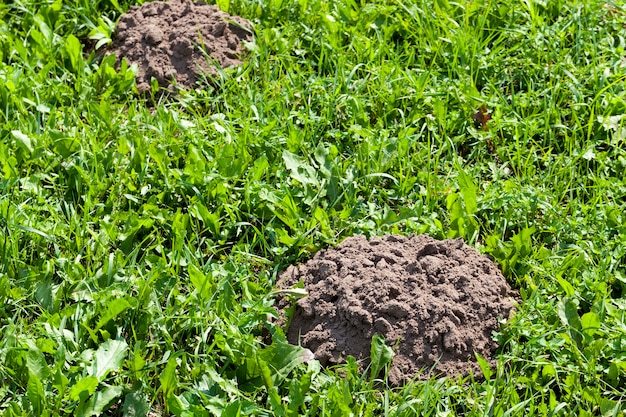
x=141 y=239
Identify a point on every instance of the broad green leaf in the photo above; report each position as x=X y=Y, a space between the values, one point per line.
x=610 y=407
x=282 y=357
x=232 y=160
x=35 y=393
x=46 y=30
x=39 y=37
x=224 y=5
x=274 y=397
x=567 y=287
x=299 y=169
x=484 y=366
x=108 y=357
x=99 y=401
x=202 y=284
x=232 y=410
x=523 y=241
x=210 y=219
x=298 y=390
x=83 y=388
x=138 y=362
x=590 y=323
x=36 y=363
x=591 y=394
x=468 y=191
x=548 y=371
x=43 y=294
x=322 y=156
x=268 y=195
x=114 y=308
x=135 y=405
x=454 y=207
x=23 y=141
x=259 y=168
x=168 y=378
x=74 y=52
x=568 y=313
x=381 y=355
x=60 y=381
x=177 y=405
x=293 y=292
x=457 y=215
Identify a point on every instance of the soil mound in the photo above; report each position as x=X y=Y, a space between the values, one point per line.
x=171 y=40
x=439 y=301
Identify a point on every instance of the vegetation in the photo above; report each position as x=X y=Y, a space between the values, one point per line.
x=141 y=238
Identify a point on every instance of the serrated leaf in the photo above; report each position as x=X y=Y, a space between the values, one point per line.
x=108 y=357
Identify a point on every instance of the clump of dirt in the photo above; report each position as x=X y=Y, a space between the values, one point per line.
x=439 y=300
x=171 y=40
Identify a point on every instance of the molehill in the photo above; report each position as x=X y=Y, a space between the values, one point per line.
x=179 y=40
x=439 y=302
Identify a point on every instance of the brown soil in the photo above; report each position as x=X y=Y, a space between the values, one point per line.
x=166 y=41
x=439 y=300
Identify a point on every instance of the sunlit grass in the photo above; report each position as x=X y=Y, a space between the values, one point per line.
x=140 y=238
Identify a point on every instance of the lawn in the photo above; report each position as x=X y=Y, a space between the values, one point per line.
x=141 y=237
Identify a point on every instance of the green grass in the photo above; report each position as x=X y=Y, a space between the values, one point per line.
x=140 y=240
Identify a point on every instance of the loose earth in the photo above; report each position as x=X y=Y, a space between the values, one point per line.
x=438 y=302
x=177 y=41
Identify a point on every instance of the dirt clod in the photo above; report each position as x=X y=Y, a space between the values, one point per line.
x=170 y=40
x=439 y=300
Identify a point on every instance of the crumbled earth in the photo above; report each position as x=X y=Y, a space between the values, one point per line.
x=439 y=301
x=171 y=40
